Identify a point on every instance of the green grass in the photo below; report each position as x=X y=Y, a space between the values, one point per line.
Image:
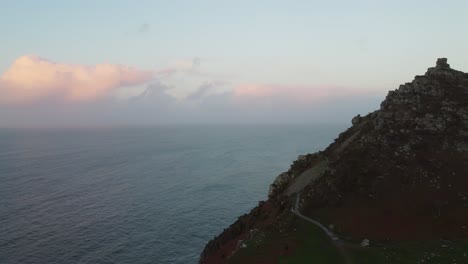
x=439 y=252
x=314 y=247
x=308 y=244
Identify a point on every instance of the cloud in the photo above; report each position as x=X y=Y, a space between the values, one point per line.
x=186 y=65
x=196 y=63
x=31 y=78
x=144 y=28
x=211 y=103
x=294 y=93
x=77 y=95
x=201 y=92
x=205 y=90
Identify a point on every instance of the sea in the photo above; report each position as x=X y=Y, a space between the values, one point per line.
x=137 y=194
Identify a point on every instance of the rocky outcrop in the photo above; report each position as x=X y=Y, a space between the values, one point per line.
x=282 y=181
x=408 y=159
x=356 y=120
x=279 y=184
x=434 y=103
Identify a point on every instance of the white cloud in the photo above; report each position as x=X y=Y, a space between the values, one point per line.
x=31 y=78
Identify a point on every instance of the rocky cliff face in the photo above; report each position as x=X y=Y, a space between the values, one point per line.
x=397 y=173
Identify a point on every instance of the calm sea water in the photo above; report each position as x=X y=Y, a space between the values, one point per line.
x=136 y=195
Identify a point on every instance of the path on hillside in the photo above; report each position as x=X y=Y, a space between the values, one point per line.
x=334 y=238
x=306 y=177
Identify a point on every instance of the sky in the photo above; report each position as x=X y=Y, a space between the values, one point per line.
x=113 y=62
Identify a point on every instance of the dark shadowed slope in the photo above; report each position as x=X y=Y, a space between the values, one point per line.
x=398 y=174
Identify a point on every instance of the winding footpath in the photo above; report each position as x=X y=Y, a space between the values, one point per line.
x=334 y=238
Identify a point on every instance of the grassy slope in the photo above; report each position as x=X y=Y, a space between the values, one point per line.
x=305 y=243
x=440 y=252
x=314 y=247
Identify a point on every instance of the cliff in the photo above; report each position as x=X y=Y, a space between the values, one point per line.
x=397 y=174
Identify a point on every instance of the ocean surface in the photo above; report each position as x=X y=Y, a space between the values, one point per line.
x=137 y=195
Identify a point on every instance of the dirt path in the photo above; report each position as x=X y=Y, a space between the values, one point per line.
x=334 y=238
x=306 y=178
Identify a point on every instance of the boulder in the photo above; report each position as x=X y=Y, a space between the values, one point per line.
x=356 y=119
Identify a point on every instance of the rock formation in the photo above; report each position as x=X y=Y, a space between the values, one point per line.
x=396 y=173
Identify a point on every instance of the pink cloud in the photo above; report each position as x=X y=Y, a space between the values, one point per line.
x=298 y=93
x=31 y=78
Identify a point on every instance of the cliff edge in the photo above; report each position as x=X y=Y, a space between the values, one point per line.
x=397 y=174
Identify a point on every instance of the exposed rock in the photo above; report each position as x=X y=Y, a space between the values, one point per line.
x=279 y=183
x=356 y=119
x=409 y=158
x=365 y=242
x=301 y=157
x=442 y=63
